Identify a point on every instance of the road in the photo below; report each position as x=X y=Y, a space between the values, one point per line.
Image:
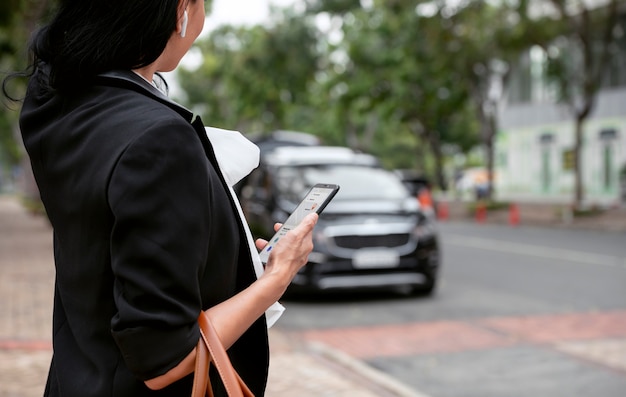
x=520 y=311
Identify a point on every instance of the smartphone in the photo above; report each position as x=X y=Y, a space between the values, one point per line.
x=315 y=201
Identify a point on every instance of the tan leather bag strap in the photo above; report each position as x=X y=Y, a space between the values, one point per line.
x=201 y=384
x=210 y=348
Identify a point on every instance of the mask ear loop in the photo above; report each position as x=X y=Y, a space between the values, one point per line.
x=183 y=27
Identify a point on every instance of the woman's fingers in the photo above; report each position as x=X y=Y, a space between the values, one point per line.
x=260 y=243
x=296 y=245
x=309 y=222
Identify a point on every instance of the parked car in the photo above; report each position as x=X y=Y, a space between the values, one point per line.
x=373 y=234
x=276 y=139
x=280 y=138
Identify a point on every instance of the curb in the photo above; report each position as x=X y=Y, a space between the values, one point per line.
x=26 y=345
x=358 y=367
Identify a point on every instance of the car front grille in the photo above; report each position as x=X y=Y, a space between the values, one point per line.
x=369 y=241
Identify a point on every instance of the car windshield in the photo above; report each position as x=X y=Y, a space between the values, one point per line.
x=356 y=182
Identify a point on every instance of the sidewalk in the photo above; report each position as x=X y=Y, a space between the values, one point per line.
x=298 y=368
x=536 y=214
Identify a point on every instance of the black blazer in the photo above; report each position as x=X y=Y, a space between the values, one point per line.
x=145 y=236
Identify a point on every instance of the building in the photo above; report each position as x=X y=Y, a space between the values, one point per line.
x=534 y=145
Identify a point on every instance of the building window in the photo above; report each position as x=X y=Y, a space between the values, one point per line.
x=608 y=134
x=567 y=160
x=608 y=166
x=546 y=139
x=607 y=137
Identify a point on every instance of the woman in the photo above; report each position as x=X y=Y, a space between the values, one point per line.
x=146 y=232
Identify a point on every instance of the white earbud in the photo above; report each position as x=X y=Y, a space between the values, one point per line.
x=183 y=27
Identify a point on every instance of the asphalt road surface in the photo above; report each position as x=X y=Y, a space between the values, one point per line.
x=519 y=312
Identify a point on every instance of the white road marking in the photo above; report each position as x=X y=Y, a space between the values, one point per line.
x=535 y=250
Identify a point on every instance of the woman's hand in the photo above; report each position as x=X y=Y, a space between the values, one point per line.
x=292 y=251
x=232 y=317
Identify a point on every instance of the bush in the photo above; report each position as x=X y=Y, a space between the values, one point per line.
x=490 y=205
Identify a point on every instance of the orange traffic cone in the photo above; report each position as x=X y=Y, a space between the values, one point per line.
x=425 y=199
x=481 y=212
x=442 y=211
x=513 y=214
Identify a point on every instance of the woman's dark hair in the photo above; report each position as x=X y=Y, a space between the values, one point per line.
x=89 y=37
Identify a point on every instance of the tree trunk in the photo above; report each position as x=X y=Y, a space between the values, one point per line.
x=578 y=177
x=594 y=64
x=435 y=145
x=490 y=134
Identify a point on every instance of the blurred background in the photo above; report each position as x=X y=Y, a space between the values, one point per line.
x=498 y=100
x=494 y=113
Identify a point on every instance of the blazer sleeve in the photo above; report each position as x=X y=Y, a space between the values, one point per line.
x=158 y=194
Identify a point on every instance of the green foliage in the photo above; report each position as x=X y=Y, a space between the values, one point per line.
x=587 y=212
x=9 y=149
x=18 y=18
x=34 y=205
x=407 y=80
x=576 y=62
x=333 y=6
x=488 y=205
x=254 y=78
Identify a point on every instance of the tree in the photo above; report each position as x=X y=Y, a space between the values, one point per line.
x=253 y=78
x=432 y=90
x=383 y=72
x=492 y=37
x=398 y=67
x=578 y=64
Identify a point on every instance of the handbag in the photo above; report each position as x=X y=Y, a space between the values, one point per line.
x=209 y=349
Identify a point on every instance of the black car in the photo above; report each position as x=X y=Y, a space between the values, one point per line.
x=280 y=138
x=372 y=235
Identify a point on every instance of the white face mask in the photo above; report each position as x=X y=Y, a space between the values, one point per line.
x=235 y=154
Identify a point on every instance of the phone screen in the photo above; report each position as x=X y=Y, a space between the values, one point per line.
x=315 y=201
